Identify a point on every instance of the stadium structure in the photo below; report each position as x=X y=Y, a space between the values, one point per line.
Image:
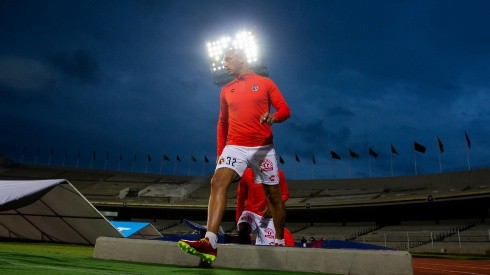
x=446 y=212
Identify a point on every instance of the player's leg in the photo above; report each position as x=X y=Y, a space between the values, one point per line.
x=230 y=167
x=264 y=164
x=206 y=248
x=244 y=231
x=220 y=182
x=278 y=209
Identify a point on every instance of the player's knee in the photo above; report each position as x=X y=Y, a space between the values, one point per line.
x=222 y=178
x=274 y=198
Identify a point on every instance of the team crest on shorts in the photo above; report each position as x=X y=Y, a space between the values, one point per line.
x=255 y=88
x=269 y=233
x=221 y=160
x=266 y=166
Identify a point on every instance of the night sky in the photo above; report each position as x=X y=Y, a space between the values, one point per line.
x=92 y=84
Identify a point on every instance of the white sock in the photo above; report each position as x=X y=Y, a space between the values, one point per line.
x=213 y=238
x=280 y=242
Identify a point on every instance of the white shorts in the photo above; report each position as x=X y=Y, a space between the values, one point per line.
x=261 y=159
x=262 y=227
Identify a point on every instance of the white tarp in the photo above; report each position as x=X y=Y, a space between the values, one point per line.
x=50 y=210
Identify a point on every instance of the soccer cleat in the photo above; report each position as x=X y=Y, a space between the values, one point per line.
x=201 y=248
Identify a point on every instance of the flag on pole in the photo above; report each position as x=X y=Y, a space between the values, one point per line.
x=149 y=158
x=166 y=158
x=441 y=145
x=193 y=159
x=281 y=160
x=468 y=142
x=393 y=150
x=373 y=153
x=297 y=158
x=335 y=155
x=206 y=160
x=418 y=147
x=353 y=154
x=178 y=158
x=314 y=161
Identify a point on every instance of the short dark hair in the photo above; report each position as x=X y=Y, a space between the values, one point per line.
x=237 y=51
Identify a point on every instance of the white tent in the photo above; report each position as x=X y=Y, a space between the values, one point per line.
x=52 y=210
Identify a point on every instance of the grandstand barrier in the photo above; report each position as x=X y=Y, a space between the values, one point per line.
x=333 y=261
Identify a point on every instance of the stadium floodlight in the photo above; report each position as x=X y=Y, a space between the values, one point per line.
x=242 y=40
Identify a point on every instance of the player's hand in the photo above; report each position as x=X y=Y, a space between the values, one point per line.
x=267 y=118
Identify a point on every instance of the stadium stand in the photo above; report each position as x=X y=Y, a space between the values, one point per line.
x=416 y=213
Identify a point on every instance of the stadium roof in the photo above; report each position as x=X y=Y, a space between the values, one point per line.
x=54 y=211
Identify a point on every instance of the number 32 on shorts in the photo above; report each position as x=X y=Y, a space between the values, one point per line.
x=230 y=161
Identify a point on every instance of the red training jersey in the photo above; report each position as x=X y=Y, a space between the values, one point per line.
x=242 y=102
x=251 y=195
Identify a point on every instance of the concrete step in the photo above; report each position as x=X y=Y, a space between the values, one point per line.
x=336 y=261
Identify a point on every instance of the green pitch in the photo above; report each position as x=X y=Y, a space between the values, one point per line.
x=45 y=258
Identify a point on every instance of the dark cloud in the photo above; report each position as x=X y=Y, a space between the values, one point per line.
x=80 y=64
x=26 y=75
x=339 y=111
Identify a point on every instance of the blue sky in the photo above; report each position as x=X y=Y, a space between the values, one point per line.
x=126 y=78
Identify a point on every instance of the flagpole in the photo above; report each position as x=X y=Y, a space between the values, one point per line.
x=161 y=165
x=391 y=163
x=78 y=159
x=50 y=156
x=415 y=161
x=468 y=158
x=349 y=167
x=119 y=163
x=369 y=164
x=440 y=165
x=134 y=160
x=22 y=156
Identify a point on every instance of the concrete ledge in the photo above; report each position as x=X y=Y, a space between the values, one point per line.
x=336 y=261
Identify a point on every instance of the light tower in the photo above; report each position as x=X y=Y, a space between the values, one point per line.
x=242 y=40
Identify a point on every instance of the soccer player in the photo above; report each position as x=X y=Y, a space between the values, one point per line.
x=253 y=211
x=244 y=139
